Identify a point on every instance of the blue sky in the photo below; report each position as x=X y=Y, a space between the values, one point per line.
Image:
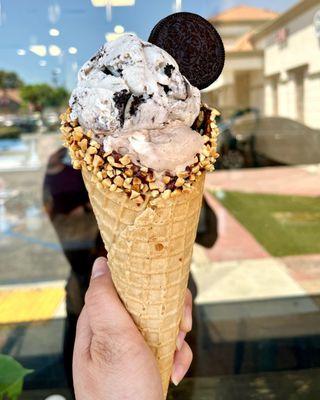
x=26 y=22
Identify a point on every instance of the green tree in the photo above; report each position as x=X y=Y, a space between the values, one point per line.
x=60 y=96
x=43 y=95
x=9 y=80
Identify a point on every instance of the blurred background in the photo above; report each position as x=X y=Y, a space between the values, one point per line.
x=256 y=264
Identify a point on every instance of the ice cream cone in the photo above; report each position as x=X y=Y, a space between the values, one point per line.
x=148 y=226
x=149 y=250
x=137 y=130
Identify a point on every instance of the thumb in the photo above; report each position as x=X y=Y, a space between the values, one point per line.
x=106 y=313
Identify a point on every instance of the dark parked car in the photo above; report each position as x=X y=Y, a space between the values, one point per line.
x=248 y=140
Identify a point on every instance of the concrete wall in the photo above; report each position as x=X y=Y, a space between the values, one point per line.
x=312 y=101
x=301 y=50
x=226 y=97
x=257 y=90
x=303 y=46
x=224 y=93
x=287 y=98
x=232 y=32
x=268 y=98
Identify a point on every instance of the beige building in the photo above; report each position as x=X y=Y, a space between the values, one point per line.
x=291 y=46
x=241 y=83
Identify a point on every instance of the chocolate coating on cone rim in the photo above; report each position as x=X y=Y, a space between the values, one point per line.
x=195 y=45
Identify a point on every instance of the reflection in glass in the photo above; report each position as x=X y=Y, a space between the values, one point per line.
x=255 y=270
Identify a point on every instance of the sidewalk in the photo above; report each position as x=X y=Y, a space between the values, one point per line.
x=299 y=181
x=254 y=279
x=33 y=302
x=234 y=241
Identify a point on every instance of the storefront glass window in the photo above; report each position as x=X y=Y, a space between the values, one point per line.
x=256 y=264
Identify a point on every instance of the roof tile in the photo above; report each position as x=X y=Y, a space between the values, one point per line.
x=244 y=13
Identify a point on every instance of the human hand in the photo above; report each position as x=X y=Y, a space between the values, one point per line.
x=111 y=360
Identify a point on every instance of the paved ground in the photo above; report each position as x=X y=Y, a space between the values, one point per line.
x=41 y=302
x=240 y=267
x=305 y=270
x=300 y=180
x=234 y=241
x=252 y=279
x=30 y=250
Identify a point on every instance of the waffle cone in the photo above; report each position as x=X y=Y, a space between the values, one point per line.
x=149 y=254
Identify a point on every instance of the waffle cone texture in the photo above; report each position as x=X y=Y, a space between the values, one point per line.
x=149 y=254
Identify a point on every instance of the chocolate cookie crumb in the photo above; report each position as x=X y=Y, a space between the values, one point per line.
x=165 y=88
x=137 y=100
x=98 y=55
x=74 y=100
x=106 y=70
x=168 y=70
x=121 y=99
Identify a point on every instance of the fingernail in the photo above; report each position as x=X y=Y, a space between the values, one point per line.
x=99 y=267
x=188 y=318
x=180 y=340
x=177 y=374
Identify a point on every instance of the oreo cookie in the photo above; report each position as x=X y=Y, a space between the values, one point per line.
x=195 y=45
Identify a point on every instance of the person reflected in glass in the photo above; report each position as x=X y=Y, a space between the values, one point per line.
x=67 y=204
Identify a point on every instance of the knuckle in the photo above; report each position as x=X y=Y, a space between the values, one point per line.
x=109 y=349
x=102 y=351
